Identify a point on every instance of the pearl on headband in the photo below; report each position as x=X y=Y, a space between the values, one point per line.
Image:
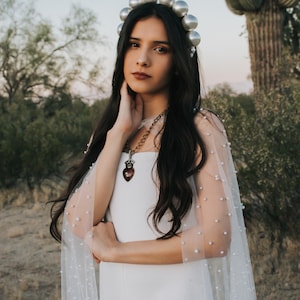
x=189 y=22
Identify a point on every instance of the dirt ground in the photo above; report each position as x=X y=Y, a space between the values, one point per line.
x=30 y=259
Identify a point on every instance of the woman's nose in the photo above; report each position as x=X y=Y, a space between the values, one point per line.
x=143 y=59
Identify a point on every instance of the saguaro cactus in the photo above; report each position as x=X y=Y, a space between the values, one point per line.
x=264 y=19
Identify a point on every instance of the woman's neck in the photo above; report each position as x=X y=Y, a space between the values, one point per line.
x=154 y=105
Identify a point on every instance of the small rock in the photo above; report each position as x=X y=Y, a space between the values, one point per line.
x=24 y=285
x=15 y=232
x=42 y=234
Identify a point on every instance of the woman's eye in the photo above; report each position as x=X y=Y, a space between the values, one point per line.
x=161 y=50
x=133 y=45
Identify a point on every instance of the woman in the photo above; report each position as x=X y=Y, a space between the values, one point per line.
x=155 y=200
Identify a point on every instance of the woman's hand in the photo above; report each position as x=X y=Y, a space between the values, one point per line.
x=102 y=241
x=130 y=112
x=105 y=247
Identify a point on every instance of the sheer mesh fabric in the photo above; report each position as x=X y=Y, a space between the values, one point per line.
x=214 y=243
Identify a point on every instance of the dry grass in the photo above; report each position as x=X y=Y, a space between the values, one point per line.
x=30 y=267
x=30 y=258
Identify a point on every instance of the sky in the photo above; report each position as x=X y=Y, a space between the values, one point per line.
x=224 y=55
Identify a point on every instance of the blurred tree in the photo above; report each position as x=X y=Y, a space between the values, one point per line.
x=13 y=122
x=38 y=141
x=292 y=37
x=35 y=60
x=265 y=27
x=49 y=142
x=265 y=147
x=225 y=92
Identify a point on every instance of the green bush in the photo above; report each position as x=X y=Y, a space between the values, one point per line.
x=265 y=146
x=41 y=140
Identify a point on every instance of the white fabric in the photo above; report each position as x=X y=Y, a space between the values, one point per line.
x=216 y=212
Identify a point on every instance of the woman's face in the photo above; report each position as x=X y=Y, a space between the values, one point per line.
x=148 y=60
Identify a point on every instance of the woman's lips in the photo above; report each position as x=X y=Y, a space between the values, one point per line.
x=140 y=75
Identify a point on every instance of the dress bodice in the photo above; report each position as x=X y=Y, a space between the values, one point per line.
x=133 y=201
x=129 y=210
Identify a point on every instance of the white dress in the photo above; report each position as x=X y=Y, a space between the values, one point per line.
x=214 y=220
x=130 y=206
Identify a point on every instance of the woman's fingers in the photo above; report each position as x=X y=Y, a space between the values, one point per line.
x=100 y=240
x=96 y=259
x=130 y=111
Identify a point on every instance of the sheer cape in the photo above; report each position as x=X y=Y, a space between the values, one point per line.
x=213 y=232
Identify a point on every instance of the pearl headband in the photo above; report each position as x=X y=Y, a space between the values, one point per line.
x=189 y=22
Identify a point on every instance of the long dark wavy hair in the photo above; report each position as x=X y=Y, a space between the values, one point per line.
x=180 y=140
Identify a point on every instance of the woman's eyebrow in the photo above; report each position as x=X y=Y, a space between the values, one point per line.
x=154 y=42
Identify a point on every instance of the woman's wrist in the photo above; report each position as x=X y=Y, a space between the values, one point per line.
x=113 y=254
x=118 y=253
x=114 y=135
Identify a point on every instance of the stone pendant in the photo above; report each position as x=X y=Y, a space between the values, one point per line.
x=128 y=171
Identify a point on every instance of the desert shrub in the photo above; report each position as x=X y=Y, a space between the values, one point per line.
x=265 y=146
x=41 y=140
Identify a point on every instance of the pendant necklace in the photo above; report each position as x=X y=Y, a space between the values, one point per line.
x=128 y=171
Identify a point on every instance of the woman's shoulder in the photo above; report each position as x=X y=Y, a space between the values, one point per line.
x=207 y=120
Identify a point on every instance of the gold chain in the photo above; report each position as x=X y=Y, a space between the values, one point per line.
x=145 y=136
